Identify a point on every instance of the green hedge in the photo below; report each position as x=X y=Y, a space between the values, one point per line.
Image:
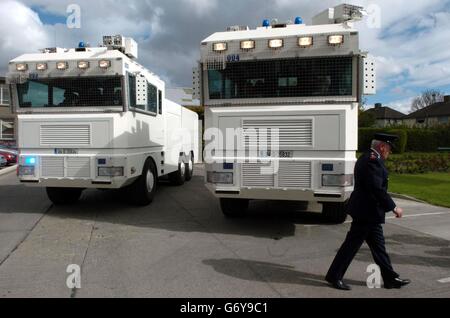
x=411 y=139
x=428 y=140
x=366 y=136
x=416 y=163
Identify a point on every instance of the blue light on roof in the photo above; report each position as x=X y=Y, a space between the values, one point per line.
x=82 y=45
x=266 y=23
x=298 y=20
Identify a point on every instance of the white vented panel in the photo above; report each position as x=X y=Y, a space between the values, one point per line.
x=291 y=132
x=369 y=77
x=65 y=135
x=253 y=176
x=78 y=167
x=294 y=175
x=52 y=167
x=141 y=91
x=196 y=83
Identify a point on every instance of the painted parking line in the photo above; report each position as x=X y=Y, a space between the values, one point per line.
x=444 y=280
x=394 y=218
x=413 y=216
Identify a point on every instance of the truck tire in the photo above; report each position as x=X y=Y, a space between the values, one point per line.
x=64 y=196
x=335 y=213
x=142 y=191
x=190 y=168
x=178 y=177
x=234 y=208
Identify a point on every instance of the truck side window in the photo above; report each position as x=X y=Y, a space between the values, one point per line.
x=160 y=102
x=152 y=102
x=132 y=90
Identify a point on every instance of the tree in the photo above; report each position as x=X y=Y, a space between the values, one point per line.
x=366 y=120
x=428 y=98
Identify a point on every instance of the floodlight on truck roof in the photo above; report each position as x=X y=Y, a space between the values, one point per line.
x=83 y=65
x=62 y=66
x=21 y=67
x=41 y=66
x=220 y=47
x=104 y=64
x=305 y=41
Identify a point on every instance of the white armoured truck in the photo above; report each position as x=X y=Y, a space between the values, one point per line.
x=95 y=118
x=282 y=106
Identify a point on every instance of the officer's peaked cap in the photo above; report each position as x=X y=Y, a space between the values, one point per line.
x=389 y=139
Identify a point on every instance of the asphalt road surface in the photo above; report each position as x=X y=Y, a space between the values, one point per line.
x=182 y=246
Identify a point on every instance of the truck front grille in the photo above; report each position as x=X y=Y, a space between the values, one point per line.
x=294 y=175
x=290 y=175
x=52 y=167
x=292 y=133
x=65 y=135
x=254 y=178
x=66 y=167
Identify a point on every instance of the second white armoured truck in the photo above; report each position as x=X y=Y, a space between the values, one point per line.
x=299 y=85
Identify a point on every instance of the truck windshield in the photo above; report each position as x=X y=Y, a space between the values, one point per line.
x=71 y=92
x=297 y=77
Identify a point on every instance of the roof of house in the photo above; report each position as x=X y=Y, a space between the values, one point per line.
x=385 y=113
x=436 y=110
x=182 y=96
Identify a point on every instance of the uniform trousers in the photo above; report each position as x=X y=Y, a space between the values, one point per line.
x=359 y=233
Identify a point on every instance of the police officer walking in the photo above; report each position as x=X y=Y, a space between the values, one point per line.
x=368 y=206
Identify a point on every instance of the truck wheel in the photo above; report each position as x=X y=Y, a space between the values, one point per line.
x=335 y=212
x=190 y=168
x=64 y=196
x=234 y=208
x=142 y=191
x=178 y=177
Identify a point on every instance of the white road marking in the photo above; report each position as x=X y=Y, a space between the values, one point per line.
x=418 y=215
x=393 y=217
x=444 y=280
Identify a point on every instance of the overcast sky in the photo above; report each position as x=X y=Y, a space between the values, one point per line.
x=412 y=46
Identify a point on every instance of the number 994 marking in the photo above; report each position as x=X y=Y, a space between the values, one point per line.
x=233 y=58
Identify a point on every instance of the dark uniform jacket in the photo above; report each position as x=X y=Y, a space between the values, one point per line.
x=370 y=201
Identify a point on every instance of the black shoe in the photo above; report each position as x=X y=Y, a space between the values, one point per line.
x=339 y=284
x=396 y=283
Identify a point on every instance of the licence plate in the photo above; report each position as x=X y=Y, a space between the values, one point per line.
x=62 y=151
x=286 y=154
x=282 y=154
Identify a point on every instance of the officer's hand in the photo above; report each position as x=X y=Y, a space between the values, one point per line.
x=398 y=213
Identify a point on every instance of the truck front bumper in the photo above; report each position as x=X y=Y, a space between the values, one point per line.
x=307 y=195
x=62 y=171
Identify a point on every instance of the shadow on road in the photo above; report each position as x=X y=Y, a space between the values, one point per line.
x=442 y=251
x=268 y=272
x=190 y=208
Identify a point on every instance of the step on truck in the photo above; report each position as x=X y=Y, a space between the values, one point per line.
x=92 y=117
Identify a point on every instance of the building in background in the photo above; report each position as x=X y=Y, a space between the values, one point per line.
x=431 y=116
x=182 y=96
x=7 y=119
x=385 y=116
